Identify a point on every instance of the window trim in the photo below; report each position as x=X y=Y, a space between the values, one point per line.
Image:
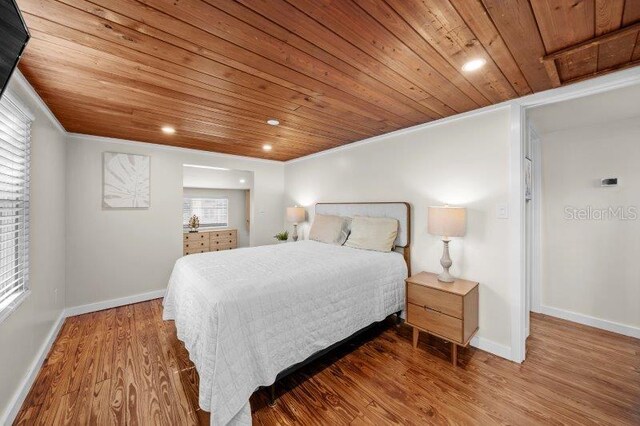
x=11 y=96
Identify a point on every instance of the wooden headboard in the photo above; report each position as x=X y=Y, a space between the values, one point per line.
x=397 y=210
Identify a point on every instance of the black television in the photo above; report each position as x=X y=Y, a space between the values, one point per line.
x=14 y=36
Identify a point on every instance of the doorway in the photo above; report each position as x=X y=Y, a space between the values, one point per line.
x=221 y=199
x=582 y=223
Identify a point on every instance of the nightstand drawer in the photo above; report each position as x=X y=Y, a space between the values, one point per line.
x=435 y=322
x=438 y=300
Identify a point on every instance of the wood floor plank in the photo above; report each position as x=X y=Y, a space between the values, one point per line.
x=573 y=375
x=100 y=406
x=27 y=416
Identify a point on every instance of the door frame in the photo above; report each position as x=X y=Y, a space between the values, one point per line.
x=519 y=125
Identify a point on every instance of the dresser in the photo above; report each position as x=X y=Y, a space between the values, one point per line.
x=209 y=240
x=445 y=310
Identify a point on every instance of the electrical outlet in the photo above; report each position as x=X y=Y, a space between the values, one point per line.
x=55 y=296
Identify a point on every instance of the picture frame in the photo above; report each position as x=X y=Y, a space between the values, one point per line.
x=125 y=181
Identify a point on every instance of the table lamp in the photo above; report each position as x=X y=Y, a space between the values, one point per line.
x=295 y=215
x=447 y=222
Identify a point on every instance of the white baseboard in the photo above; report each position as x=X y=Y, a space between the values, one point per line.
x=18 y=398
x=491 y=347
x=615 y=327
x=113 y=303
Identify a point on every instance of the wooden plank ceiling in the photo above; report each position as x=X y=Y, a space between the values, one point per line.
x=332 y=72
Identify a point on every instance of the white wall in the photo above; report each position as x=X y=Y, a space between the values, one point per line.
x=591 y=267
x=26 y=330
x=463 y=162
x=237 y=213
x=201 y=177
x=118 y=253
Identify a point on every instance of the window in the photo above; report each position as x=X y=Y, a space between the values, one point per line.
x=210 y=211
x=15 y=146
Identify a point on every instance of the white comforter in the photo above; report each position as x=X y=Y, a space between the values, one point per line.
x=247 y=314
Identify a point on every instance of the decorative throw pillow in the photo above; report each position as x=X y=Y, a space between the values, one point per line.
x=373 y=233
x=329 y=229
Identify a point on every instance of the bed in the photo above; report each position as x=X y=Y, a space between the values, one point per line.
x=248 y=315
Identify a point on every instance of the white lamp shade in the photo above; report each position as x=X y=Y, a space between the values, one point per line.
x=447 y=221
x=295 y=214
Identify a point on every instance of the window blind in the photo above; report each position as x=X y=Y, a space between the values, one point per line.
x=15 y=151
x=210 y=211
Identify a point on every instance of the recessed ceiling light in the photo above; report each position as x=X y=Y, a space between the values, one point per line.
x=242 y=181
x=473 y=65
x=273 y=122
x=168 y=130
x=266 y=147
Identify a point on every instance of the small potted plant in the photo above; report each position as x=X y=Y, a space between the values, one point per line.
x=282 y=237
x=194 y=223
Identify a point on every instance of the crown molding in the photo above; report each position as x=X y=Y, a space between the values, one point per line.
x=605 y=83
x=407 y=130
x=612 y=81
x=139 y=144
x=19 y=79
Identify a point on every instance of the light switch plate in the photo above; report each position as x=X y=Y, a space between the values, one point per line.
x=502 y=211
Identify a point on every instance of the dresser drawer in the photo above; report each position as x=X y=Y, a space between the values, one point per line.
x=435 y=322
x=223 y=241
x=222 y=235
x=195 y=236
x=194 y=250
x=222 y=247
x=197 y=244
x=438 y=300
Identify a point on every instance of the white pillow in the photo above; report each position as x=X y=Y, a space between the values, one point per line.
x=329 y=229
x=373 y=233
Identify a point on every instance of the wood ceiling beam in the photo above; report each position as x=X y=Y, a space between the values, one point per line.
x=570 y=61
x=631 y=29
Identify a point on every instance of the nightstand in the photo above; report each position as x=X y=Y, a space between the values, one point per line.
x=446 y=310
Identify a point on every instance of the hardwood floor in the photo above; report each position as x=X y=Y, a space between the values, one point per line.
x=126 y=366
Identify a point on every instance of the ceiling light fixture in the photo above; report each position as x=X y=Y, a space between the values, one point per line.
x=272 y=122
x=242 y=181
x=473 y=65
x=267 y=147
x=168 y=130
